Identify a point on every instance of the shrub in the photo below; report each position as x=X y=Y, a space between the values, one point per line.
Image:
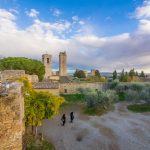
x=114 y=83
x=145 y=94
x=132 y=95
x=100 y=98
x=137 y=87
x=91 y=100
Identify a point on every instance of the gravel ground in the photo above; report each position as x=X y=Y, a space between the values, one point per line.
x=116 y=130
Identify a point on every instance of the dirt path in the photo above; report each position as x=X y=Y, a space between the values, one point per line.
x=117 y=130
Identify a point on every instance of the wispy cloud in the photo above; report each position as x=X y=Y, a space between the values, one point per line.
x=32 y=13
x=55 y=12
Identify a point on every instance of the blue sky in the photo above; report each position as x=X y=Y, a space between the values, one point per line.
x=108 y=34
x=109 y=17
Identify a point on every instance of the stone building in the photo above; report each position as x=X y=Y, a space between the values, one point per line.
x=51 y=87
x=62 y=64
x=49 y=74
x=47 y=61
x=93 y=72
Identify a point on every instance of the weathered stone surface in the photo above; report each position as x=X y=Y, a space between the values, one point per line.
x=72 y=88
x=11 y=122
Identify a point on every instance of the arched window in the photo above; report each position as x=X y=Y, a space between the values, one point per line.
x=48 y=60
x=65 y=90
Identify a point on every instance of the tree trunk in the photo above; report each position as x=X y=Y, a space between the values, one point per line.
x=35 y=130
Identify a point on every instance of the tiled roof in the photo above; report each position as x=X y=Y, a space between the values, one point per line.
x=65 y=79
x=46 y=85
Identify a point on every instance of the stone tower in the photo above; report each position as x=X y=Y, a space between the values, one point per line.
x=47 y=61
x=62 y=64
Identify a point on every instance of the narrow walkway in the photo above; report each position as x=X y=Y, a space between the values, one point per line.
x=117 y=130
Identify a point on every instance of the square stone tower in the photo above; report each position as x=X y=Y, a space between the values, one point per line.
x=47 y=61
x=62 y=64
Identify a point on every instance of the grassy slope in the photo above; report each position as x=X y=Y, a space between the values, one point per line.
x=139 y=107
x=74 y=98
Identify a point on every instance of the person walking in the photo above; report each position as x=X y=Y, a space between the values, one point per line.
x=63 y=119
x=71 y=117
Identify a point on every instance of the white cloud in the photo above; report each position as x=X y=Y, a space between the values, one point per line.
x=81 y=22
x=4 y=14
x=56 y=12
x=75 y=18
x=144 y=26
x=126 y=50
x=32 y=13
x=143 y=11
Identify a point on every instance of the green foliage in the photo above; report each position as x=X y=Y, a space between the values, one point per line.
x=96 y=79
x=132 y=76
x=39 y=105
x=132 y=95
x=30 y=66
x=122 y=76
x=139 y=107
x=132 y=73
x=114 y=83
x=97 y=73
x=122 y=96
x=74 y=98
x=79 y=74
x=134 y=92
x=34 y=143
x=142 y=74
x=98 y=101
x=115 y=75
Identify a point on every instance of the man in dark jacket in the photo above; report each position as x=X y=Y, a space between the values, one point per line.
x=71 y=117
x=63 y=119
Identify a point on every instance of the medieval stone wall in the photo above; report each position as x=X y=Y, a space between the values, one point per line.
x=71 y=88
x=11 y=120
x=11 y=74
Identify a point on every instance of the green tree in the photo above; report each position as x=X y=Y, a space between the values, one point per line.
x=39 y=105
x=30 y=66
x=126 y=77
x=115 y=75
x=132 y=73
x=79 y=74
x=136 y=73
x=122 y=76
x=97 y=73
x=142 y=74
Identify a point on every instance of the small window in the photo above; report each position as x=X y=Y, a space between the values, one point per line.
x=65 y=90
x=48 y=60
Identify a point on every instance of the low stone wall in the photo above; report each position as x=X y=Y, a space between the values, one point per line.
x=32 y=78
x=11 y=74
x=71 y=88
x=11 y=120
x=53 y=91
